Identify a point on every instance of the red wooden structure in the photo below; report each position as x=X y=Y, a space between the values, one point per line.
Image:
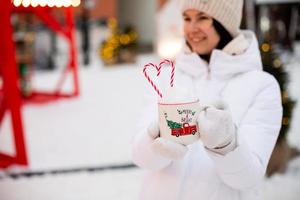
x=10 y=96
x=67 y=31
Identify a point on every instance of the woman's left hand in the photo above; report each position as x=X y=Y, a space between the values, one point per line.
x=216 y=127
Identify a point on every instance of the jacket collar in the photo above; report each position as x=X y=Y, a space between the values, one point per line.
x=239 y=56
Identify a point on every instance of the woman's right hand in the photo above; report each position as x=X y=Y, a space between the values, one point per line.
x=165 y=148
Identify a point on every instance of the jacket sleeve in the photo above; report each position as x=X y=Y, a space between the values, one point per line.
x=142 y=153
x=257 y=133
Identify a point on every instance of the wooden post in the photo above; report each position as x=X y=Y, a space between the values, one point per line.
x=250 y=15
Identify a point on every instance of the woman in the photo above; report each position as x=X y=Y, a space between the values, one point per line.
x=238 y=130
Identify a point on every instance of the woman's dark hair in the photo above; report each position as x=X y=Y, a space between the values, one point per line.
x=225 y=36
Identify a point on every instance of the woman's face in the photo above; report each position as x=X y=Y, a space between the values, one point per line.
x=200 y=32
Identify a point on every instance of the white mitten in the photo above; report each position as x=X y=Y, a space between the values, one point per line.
x=163 y=147
x=216 y=127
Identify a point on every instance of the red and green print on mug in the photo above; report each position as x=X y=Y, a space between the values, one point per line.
x=178 y=121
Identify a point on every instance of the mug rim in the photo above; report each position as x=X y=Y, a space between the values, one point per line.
x=176 y=104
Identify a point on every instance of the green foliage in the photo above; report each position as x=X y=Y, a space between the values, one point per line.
x=273 y=65
x=173 y=125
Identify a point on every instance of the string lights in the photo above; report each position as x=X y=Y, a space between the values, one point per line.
x=111 y=49
x=49 y=3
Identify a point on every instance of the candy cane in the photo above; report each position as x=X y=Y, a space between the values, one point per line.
x=173 y=69
x=158 y=69
x=148 y=78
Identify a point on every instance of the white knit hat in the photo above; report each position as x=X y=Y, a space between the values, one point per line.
x=227 y=12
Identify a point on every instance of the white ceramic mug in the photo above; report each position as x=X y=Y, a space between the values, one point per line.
x=178 y=121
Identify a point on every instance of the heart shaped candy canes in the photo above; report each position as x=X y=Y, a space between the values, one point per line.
x=158 y=69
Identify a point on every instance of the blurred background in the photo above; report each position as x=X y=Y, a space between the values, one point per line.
x=71 y=83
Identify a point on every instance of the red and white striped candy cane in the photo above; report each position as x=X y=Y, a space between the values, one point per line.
x=166 y=61
x=158 y=69
x=148 y=78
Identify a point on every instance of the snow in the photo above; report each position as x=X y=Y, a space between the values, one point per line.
x=120 y=185
x=284 y=186
x=95 y=129
x=83 y=131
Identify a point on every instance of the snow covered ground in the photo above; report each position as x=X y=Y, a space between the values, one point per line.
x=95 y=130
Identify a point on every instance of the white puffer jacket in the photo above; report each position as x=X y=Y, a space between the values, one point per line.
x=254 y=100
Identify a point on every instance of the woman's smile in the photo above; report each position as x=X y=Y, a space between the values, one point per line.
x=200 y=32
